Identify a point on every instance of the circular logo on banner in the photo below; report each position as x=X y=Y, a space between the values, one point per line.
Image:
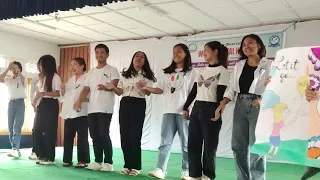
x=192 y=47
x=274 y=41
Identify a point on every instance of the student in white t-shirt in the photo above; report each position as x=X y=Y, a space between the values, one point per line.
x=133 y=109
x=16 y=108
x=75 y=122
x=175 y=85
x=208 y=90
x=33 y=91
x=100 y=108
x=47 y=111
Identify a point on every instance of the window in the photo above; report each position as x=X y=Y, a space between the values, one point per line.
x=31 y=67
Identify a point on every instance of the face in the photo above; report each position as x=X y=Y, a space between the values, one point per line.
x=138 y=60
x=101 y=55
x=250 y=47
x=75 y=67
x=15 y=69
x=209 y=54
x=178 y=54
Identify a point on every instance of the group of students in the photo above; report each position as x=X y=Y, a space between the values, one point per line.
x=88 y=100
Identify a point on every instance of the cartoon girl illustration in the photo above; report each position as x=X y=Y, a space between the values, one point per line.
x=278 y=124
x=314 y=125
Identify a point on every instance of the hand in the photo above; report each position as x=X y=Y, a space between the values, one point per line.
x=256 y=103
x=142 y=85
x=77 y=106
x=219 y=111
x=34 y=104
x=34 y=109
x=310 y=94
x=106 y=87
x=39 y=95
x=185 y=114
x=10 y=65
x=267 y=81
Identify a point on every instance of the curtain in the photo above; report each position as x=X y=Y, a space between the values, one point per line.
x=20 y=8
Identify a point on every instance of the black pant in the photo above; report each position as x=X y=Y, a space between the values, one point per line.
x=131 y=119
x=202 y=128
x=310 y=172
x=33 y=136
x=77 y=125
x=99 y=124
x=45 y=130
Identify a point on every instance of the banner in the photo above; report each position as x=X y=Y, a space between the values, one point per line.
x=288 y=126
x=272 y=41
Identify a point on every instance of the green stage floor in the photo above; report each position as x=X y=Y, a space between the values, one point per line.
x=24 y=169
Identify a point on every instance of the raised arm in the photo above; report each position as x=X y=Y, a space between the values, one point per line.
x=4 y=74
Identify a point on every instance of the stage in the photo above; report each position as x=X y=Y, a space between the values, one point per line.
x=23 y=168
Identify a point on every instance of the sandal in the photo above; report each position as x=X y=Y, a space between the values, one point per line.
x=81 y=165
x=67 y=164
x=125 y=171
x=134 y=172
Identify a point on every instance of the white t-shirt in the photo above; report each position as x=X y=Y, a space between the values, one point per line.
x=56 y=83
x=208 y=80
x=129 y=85
x=34 y=89
x=101 y=101
x=16 y=89
x=176 y=88
x=73 y=88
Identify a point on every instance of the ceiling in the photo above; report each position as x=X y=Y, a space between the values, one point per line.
x=156 y=18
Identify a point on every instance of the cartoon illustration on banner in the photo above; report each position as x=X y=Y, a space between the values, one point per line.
x=288 y=127
x=314 y=125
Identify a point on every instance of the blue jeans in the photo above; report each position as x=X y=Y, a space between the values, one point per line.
x=16 y=110
x=171 y=123
x=248 y=166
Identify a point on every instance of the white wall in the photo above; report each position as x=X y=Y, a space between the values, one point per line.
x=159 y=53
x=23 y=49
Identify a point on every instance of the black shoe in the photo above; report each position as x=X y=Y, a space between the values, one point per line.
x=310 y=172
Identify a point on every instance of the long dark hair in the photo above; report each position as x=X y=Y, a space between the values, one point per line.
x=146 y=70
x=81 y=62
x=261 y=52
x=49 y=68
x=222 y=52
x=187 y=61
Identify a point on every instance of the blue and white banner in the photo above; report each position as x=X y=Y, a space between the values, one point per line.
x=272 y=41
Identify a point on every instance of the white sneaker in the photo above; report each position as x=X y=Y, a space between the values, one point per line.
x=185 y=175
x=33 y=156
x=205 y=178
x=46 y=162
x=157 y=173
x=94 y=166
x=106 y=167
x=14 y=153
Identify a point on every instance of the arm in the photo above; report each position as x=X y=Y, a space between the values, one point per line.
x=52 y=94
x=4 y=74
x=220 y=92
x=225 y=90
x=153 y=90
x=118 y=91
x=84 y=94
x=192 y=95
